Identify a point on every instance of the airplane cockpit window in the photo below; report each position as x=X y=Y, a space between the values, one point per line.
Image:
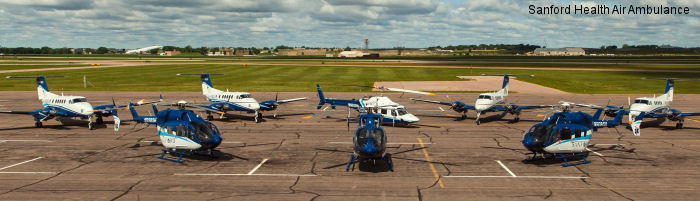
x=77 y=100
x=642 y=101
x=203 y=131
x=402 y=111
x=245 y=96
x=484 y=97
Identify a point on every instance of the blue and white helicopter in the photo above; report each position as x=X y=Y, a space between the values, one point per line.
x=222 y=101
x=181 y=131
x=390 y=111
x=61 y=106
x=489 y=102
x=657 y=107
x=566 y=134
x=369 y=140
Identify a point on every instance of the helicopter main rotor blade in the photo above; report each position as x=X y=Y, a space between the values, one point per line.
x=410 y=91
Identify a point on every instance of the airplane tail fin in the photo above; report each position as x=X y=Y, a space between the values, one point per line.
x=206 y=81
x=322 y=99
x=41 y=86
x=506 y=81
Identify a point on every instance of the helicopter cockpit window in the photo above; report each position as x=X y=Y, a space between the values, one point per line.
x=577 y=133
x=555 y=135
x=402 y=111
x=202 y=131
x=182 y=131
x=378 y=137
x=565 y=134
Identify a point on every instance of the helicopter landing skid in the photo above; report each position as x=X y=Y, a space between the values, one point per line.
x=179 y=159
x=567 y=164
x=352 y=160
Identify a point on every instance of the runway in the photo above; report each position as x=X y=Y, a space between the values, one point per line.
x=301 y=155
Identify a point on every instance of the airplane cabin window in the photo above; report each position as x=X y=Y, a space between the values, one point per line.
x=393 y=113
x=384 y=111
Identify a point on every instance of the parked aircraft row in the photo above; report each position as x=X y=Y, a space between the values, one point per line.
x=563 y=134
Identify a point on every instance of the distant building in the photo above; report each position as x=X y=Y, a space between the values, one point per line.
x=560 y=51
x=216 y=54
x=171 y=53
x=350 y=54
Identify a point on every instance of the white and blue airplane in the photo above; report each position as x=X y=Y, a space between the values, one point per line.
x=222 y=101
x=657 y=107
x=55 y=105
x=489 y=102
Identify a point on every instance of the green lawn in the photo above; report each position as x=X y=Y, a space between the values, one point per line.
x=304 y=78
x=33 y=66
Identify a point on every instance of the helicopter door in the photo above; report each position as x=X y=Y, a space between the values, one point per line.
x=182 y=131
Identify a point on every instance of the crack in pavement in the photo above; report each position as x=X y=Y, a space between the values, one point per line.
x=127 y=190
x=291 y=188
x=45 y=179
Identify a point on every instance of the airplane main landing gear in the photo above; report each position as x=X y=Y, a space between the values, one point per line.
x=209 y=116
x=464 y=115
x=679 y=125
x=99 y=120
x=258 y=117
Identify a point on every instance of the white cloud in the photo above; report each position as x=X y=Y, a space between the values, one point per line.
x=329 y=23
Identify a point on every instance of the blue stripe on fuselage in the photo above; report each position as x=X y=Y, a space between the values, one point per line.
x=66 y=110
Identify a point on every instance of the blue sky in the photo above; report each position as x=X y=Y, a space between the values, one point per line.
x=332 y=23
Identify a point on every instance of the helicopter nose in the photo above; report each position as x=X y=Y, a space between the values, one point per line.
x=410 y=118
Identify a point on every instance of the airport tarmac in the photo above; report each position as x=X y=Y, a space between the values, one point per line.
x=301 y=155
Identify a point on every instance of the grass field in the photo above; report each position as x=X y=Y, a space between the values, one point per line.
x=303 y=78
x=34 y=66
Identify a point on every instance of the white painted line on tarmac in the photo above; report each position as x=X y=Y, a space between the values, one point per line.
x=231 y=142
x=409 y=143
x=279 y=175
x=256 y=167
x=596 y=153
x=25 y=141
x=504 y=167
x=20 y=163
x=27 y=173
x=608 y=144
x=532 y=177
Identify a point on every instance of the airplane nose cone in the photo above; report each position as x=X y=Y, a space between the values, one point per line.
x=254 y=106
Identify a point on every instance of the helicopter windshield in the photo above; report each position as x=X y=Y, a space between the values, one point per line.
x=378 y=138
x=204 y=131
x=402 y=111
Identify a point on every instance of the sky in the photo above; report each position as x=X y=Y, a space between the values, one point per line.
x=333 y=23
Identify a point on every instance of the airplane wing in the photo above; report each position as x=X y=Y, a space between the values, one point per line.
x=526 y=107
x=686 y=114
x=291 y=100
x=207 y=108
x=432 y=101
x=39 y=114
